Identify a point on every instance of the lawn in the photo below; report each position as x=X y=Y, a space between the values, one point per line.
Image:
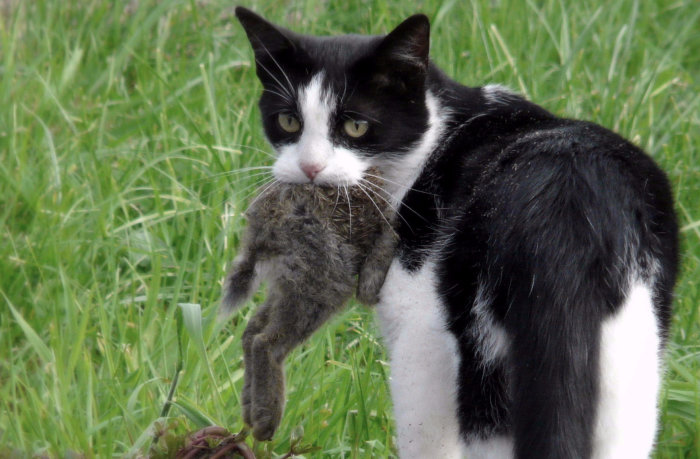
x=128 y=136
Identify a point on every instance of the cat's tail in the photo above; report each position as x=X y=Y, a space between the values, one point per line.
x=240 y=283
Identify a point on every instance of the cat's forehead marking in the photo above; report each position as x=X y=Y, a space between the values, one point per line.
x=316 y=103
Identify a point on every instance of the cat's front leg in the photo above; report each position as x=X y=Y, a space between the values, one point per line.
x=424 y=362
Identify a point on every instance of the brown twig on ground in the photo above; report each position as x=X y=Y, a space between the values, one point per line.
x=215 y=442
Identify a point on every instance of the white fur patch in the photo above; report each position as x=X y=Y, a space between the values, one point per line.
x=491 y=337
x=402 y=174
x=630 y=378
x=424 y=363
x=498 y=94
x=340 y=166
x=498 y=447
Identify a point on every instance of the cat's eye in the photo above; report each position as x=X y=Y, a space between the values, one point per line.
x=288 y=123
x=355 y=128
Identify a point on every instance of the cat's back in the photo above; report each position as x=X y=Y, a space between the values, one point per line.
x=557 y=201
x=565 y=164
x=517 y=152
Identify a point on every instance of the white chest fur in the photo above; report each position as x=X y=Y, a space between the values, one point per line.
x=424 y=363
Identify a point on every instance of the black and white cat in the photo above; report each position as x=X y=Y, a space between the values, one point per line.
x=528 y=306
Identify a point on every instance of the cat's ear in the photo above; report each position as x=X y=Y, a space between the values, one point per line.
x=267 y=39
x=408 y=43
x=403 y=53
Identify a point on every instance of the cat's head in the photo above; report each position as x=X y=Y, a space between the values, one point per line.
x=332 y=107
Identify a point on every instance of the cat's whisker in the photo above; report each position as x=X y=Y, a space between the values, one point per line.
x=232 y=173
x=279 y=83
x=236 y=194
x=284 y=74
x=382 y=193
x=347 y=194
x=388 y=202
x=337 y=199
x=264 y=175
x=260 y=182
x=257 y=184
x=364 y=190
x=364 y=116
x=395 y=208
x=345 y=87
x=260 y=171
x=230 y=149
x=407 y=188
x=286 y=98
x=353 y=92
x=267 y=169
x=264 y=191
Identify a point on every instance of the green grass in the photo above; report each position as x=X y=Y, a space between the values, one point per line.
x=121 y=128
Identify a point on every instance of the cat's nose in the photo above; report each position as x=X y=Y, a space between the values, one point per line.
x=311 y=170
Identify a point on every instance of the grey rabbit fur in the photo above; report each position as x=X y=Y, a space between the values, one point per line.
x=312 y=245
